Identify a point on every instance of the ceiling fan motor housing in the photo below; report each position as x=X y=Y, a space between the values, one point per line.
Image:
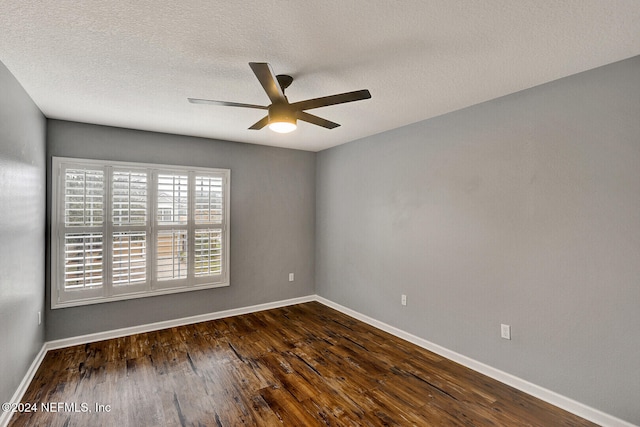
x=281 y=112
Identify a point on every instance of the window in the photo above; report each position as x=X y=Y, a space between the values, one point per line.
x=128 y=230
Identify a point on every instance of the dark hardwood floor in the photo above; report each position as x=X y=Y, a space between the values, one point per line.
x=303 y=365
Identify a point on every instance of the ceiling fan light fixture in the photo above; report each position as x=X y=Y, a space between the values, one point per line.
x=282 y=119
x=283 y=127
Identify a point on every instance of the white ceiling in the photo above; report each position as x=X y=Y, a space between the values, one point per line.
x=134 y=63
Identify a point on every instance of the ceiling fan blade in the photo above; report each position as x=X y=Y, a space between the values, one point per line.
x=225 y=103
x=332 y=100
x=260 y=123
x=310 y=118
x=268 y=80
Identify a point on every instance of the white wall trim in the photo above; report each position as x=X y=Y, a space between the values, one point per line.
x=541 y=393
x=5 y=417
x=569 y=405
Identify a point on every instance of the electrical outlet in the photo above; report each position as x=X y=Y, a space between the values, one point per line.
x=291 y=277
x=505 y=331
x=403 y=300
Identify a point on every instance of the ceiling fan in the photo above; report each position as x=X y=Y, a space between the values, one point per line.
x=282 y=115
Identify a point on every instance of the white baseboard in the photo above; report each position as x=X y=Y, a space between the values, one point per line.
x=569 y=405
x=541 y=393
x=5 y=417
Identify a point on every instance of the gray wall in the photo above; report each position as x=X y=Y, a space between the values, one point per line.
x=272 y=223
x=523 y=210
x=22 y=235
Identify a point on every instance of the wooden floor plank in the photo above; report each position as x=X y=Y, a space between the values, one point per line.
x=302 y=365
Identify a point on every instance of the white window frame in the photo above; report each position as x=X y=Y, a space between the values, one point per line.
x=60 y=297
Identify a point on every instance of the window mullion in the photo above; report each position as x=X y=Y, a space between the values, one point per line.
x=191 y=235
x=152 y=230
x=107 y=239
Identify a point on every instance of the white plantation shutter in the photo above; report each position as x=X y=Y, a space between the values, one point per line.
x=208 y=252
x=82 y=261
x=80 y=237
x=209 y=226
x=209 y=199
x=83 y=197
x=129 y=260
x=125 y=230
x=172 y=252
x=129 y=197
x=172 y=258
x=173 y=192
x=130 y=231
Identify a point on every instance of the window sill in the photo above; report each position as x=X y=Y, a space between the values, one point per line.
x=136 y=295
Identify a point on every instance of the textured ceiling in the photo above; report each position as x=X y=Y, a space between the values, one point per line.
x=134 y=63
